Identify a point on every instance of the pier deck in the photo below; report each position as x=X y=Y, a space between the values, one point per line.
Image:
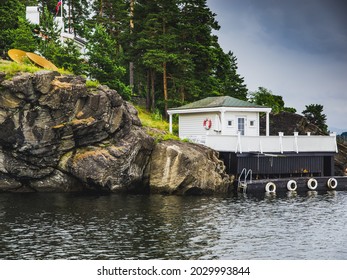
x=302 y=184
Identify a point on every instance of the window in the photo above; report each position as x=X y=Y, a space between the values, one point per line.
x=230 y=123
x=252 y=123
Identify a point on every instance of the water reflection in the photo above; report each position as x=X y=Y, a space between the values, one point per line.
x=66 y=226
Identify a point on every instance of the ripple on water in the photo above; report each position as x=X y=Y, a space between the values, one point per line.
x=58 y=226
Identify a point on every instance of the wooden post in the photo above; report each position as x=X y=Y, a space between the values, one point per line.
x=131 y=64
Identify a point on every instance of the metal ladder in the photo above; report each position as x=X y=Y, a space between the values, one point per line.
x=242 y=185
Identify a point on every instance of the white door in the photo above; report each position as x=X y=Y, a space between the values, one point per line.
x=241 y=125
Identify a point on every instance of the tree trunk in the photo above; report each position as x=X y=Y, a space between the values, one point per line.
x=165 y=80
x=148 y=91
x=182 y=94
x=153 y=90
x=165 y=89
x=131 y=64
x=69 y=17
x=101 y=10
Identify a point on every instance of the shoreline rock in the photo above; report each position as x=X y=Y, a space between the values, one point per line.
x=186 y=168
x=58 y=135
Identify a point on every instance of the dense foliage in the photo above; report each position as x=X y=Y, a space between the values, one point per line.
x=9 y=22
x=164 y=51
x=314 y=114
x=265 y=97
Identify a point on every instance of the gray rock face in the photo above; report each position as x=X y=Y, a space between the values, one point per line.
x=288 y=123
x=184 y=168
x=56 y=134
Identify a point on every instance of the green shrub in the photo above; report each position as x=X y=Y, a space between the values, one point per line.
x=92 y=83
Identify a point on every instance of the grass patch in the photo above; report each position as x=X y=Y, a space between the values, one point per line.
x=166 y=137
x=152 y=120
x=12 y=68
x=92 y=84
x=160 y=135
x=156 y=126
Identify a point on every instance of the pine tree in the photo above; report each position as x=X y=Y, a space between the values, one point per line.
x=154 y=43
x=103 y=60
x=50 y=42
x=229 y=81
x=29 y=2
x=265 y=97
x=113 y=15
x=197 y=44
x=314 y=114
x=76 y=17
x=10 y=11
x=23 y=37
x=153 y=39
x=69 y=58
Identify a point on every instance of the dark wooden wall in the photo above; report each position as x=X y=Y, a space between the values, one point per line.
x=281 y=165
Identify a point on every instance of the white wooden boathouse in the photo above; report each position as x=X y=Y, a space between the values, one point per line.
x=232 y=127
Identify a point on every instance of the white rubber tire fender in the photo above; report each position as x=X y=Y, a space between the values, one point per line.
x=332 y=183
x=270 y=187
x=292 y=185
x=312 y=184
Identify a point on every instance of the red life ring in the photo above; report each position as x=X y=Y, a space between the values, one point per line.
x=207 y=124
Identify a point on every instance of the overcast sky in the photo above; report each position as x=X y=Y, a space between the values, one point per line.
x=295 y=48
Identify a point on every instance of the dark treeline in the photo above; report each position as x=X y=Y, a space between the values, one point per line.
x=162 y=50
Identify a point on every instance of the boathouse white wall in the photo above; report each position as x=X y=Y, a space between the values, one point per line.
x=191 y=125
x=251 y=123
x=224 y=121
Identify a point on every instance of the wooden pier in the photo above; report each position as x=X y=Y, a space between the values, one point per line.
x=294 y=184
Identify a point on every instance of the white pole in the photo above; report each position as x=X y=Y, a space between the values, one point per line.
x=170 y=123
x=267 y=123
x=222 y=115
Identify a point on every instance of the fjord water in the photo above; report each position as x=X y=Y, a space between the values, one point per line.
x=71 y=226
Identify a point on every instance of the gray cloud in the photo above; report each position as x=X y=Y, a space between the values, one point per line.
x=297 y=49
x=315 y=26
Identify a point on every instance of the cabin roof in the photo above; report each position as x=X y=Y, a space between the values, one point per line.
x=219 y=101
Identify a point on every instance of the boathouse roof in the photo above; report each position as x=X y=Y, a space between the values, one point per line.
x=219 y=101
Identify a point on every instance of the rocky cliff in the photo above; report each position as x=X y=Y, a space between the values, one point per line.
x=288 y=123
x=57 y=134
